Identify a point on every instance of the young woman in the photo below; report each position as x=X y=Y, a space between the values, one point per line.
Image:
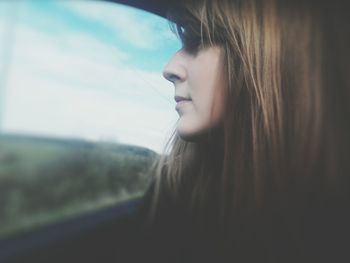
x=258 y=167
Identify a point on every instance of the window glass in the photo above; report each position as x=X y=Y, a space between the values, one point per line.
x=84 y=109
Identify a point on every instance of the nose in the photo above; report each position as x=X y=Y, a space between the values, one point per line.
x=175 y=70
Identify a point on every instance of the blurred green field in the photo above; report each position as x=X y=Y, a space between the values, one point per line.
x=44 y=180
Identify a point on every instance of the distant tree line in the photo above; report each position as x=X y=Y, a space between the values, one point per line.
x=66 y=175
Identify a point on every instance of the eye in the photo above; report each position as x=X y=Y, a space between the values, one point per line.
x=182 y=30
x=190 y=38
x=192 y=45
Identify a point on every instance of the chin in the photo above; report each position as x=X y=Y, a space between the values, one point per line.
x=189 y=133
x=200 y=135
x=189 y=137
x=192 y=130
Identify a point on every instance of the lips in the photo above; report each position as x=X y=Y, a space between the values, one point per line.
x=180 y=98
x=181 y=103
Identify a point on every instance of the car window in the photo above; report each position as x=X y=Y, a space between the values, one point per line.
x=84 y=110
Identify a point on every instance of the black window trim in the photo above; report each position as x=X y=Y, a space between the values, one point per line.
x=54 y=233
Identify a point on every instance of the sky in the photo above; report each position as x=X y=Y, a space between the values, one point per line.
x=85 y=69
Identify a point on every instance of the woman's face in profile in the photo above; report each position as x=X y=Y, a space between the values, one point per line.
x=199 y=83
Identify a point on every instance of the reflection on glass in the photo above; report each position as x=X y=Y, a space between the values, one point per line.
x=80 y=84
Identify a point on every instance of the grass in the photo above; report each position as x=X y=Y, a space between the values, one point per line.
x=45 y=180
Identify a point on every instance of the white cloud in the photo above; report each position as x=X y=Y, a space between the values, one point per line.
x=78 y=86
x=85 y=65
x=128 y=24
x=90 y=114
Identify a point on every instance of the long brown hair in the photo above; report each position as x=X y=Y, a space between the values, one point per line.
x=284 y=145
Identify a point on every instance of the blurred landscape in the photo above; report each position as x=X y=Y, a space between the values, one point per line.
x=45 y=180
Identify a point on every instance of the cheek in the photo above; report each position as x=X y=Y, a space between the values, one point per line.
x=196 y=122
x=206 y=86
x=209 y=103
x=207 y=93
x=204 y=113
x=218 y=105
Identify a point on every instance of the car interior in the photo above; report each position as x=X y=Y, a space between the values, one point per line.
x=112 y=234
